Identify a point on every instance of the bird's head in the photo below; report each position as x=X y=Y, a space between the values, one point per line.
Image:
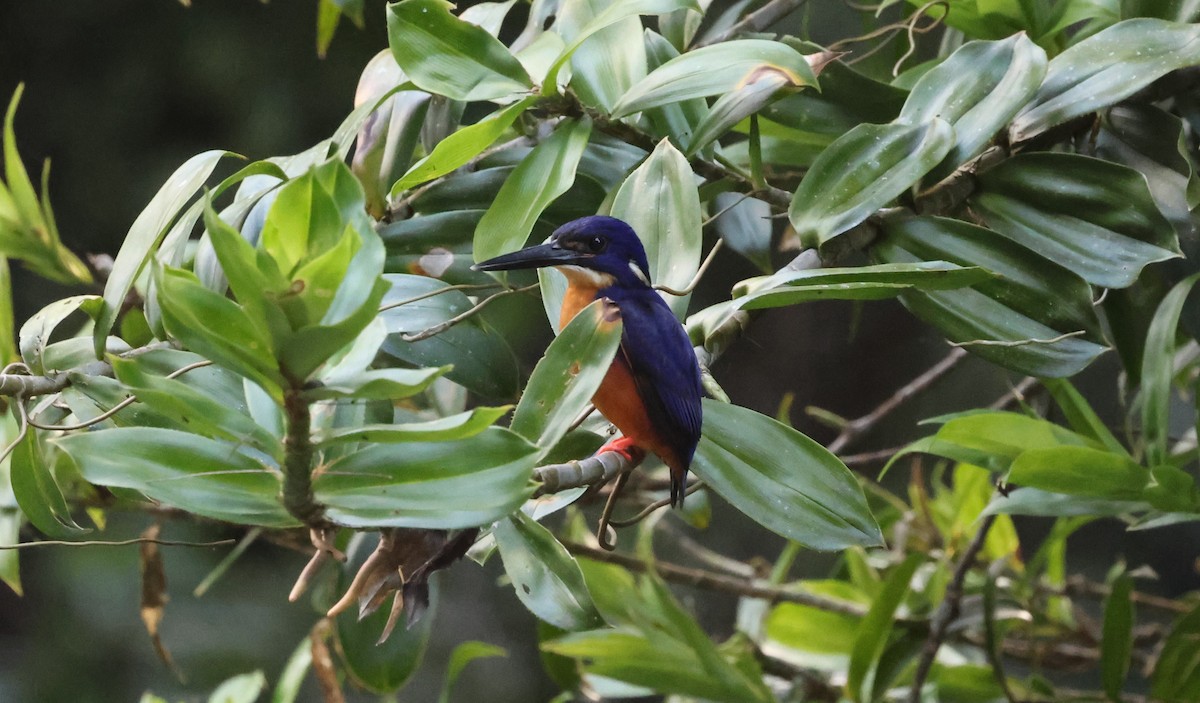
x=602 y=249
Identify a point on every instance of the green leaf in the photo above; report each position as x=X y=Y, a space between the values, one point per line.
x=1080 y=415
x=380 y=667
x=204 y=476
x=860 y=283
x=977 y=90
x=580 y=20
x=217 y=328
x=194 y=408
x=546 y=173
x=861 y=172
x=660 y=201
x=1081 y=471
x=661 y=647
x=482 y=359
x=244 y=688
x=744 y=225
x=441 y=485
x=1106 y=68
x=27 y=228
x=294 y=673
x=35 y=333
x=1090 y=216
x=782 y=479
x=876 y=628
x=1033 y=501
x=1009 y=312
x=993 y=440
x=544 y=575
x=354 y=307
x=145 y=234
x=811 y=634
x=1176 y=674
x=1154 y=142
x=567 y=377
x=448 y=56
x=846 y=100
x=1116 y=643
x=676 y=120
x=460 y=426
x=1158 y=368
x=374 y=384
x=460 y=147
x=37 y=492
x=715 y=70
x=757 y=91
x=464 y=654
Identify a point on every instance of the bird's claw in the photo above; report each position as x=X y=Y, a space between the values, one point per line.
x=621 y=445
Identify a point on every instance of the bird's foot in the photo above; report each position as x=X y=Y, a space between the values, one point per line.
x=623 y=446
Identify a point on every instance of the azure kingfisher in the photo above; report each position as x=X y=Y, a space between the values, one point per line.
x=652 y=389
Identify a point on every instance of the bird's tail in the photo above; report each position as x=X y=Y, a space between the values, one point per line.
x=678 y=486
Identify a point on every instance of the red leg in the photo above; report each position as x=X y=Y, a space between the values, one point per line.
x=620 y=445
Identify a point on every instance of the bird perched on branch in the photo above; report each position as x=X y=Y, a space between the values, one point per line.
x=652 y=389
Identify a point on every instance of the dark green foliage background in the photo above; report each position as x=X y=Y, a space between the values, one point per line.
x=118 y=94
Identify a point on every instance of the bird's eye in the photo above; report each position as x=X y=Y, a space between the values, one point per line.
x=596 y=244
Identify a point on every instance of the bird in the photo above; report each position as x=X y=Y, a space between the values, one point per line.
x=652 y=390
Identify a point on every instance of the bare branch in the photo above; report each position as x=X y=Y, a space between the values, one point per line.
x=712 y=581
x=117 y=543
x=856 y=428
x=949 y=610
x=464 y=315
x=691 y=286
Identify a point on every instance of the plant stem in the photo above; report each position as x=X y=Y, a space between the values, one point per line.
x=297 y=461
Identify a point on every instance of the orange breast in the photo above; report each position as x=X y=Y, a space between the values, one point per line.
x=617 y=398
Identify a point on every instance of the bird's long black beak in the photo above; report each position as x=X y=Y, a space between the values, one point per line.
x=531 y=258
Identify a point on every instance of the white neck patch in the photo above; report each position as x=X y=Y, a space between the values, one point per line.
x=637 y=271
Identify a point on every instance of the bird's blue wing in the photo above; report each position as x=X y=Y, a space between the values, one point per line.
x=657 y=350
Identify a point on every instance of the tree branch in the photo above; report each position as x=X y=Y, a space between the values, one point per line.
x=711 y=581
x=949 y=610
x=858 y=427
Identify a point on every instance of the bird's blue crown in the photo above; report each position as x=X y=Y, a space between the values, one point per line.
x=607 y=245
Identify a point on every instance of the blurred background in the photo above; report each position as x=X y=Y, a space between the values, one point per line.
x=118 y=94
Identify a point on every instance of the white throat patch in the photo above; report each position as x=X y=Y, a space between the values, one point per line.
x=587 y=277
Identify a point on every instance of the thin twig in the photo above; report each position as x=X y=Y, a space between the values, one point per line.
x=989 y=629
x=949 y=610
x=602 y=527
x=912 y=30
x=856 y=428
x=711 y=581
x=22 y=431
x=466 y=314
x=119 y=543
x=118 y=407
x=870 y=457
x=436 y=292
x=656 y=505
x=1080 y=586
x=1016 y=394
x=708 y=260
